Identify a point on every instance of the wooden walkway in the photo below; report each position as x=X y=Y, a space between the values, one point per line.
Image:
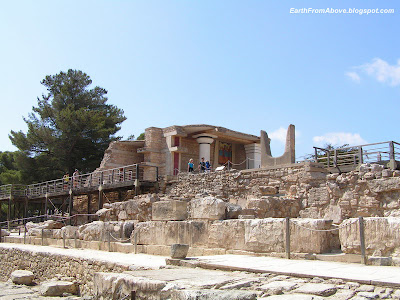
x=349 y=158
x=137 y=177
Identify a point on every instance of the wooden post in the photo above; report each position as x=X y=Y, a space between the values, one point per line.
x=46 y=205
x=362 y=241
x=391 y=151
x=70 y=208
x=157 y=174
x=133 y=295
x=25 y=209
x=100 y=197
x=287 y=248
x=42 y=236
x=109 y=240
x=24 y=234
x=316 y=154
x=9 y=212
x=135 y=241
x=360 y=156
x=75 y=240
x=137 y=172
x=64 y=239
x=329 y=158
x=89 y=196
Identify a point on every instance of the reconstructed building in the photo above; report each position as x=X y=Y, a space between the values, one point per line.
x=171 y=148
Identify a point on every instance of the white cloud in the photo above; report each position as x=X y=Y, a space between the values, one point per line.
x=382 y=71
x=353 y=76
x=378 y=69
x=339 y=139
x=280 y=135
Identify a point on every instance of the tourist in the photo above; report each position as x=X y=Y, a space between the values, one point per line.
x=190 y=165
x=208 y=166
x=75 y=177
x=202 y=165
x=66 y=181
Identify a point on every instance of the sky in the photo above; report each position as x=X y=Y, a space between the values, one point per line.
x=245 y=65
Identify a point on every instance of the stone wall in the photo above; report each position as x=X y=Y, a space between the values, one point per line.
x=313 y=192
x=382 y=236
x=46 y=266
x=121 y=153
x=258 y=235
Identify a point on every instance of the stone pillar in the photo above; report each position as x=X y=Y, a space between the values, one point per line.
x=204 y=147
x=253 y=153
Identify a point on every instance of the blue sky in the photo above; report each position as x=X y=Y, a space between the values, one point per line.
x=244 y=65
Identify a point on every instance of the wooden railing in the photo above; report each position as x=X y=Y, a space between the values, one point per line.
x=352 y=156
x=110 y=177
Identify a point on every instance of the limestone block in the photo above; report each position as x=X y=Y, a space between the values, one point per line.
x=227 y=234
x=269 y=190
x=98 y=231
x=68 y=230
x=278 y=287
x=213 y=294
x=169 y=211
x=305 y=237
x=51 y=224
x=22 y=277
x=57 y=288
x=318 y=289
x=209 y=208
x=264 y=235
x=168 y=233
x=179 y=250
x=118 y=285
x=318 y=196
x=382 y=236
x=4 y=232
x=233 y=211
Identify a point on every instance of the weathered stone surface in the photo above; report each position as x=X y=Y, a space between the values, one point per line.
x=293 y=297
x=194 y=233
x=318 y=289
x=213 y=295
x=233 y=211
x=57 y=288
x=118 y=286
x=368 y=295
x=169 y=211
x=4 y=232
x=274 y=207
x=382 y=236
x=22 y=277
x=139 y=208
x=179 y=250
x=209 y=208
x=69 y=232
x=278 y=287
x=99 y=231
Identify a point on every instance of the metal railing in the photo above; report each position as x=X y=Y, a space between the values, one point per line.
x=80 y=182
x=356 y=155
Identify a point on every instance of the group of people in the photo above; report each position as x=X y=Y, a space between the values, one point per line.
x=204 y=166
x=75 y=179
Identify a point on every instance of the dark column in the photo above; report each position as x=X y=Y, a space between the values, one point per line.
x=89 y=196
x=100 y=197
x=71 y=204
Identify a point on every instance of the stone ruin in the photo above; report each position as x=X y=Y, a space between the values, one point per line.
x=243 y=212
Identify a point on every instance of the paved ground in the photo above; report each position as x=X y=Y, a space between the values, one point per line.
x=9 y=291
x=247 y=277
x=381 y=275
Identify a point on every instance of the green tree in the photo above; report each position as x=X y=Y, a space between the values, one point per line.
x=9 y=172
x=70 y=128
x=141 y=137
